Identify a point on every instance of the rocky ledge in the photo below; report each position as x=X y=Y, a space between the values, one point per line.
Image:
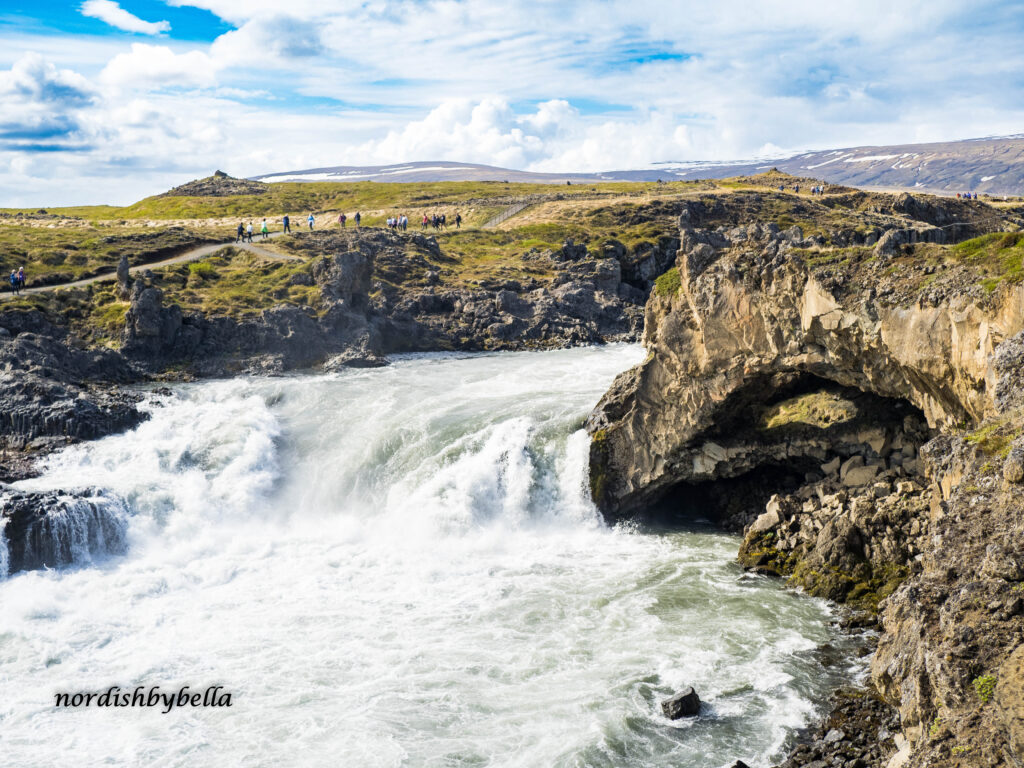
x=857 y=413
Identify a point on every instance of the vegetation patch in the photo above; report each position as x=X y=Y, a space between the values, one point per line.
x=669 y=283
x=985 y=687
x=998 y=257
x=819 y=410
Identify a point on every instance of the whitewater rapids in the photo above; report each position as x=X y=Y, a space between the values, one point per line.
x=397 y=567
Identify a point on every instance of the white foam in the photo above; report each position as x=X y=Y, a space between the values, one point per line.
x=397 y=566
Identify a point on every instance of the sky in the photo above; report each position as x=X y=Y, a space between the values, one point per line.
x=107 y=101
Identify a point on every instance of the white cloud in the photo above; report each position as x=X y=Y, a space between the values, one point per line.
x=113 y=14
x=574 y=85
x=157 y=66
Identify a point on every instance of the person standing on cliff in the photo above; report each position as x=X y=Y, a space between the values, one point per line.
x=287 y=223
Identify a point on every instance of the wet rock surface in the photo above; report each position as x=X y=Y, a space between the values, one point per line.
x=683 y=704
x=911 y=513
x=52 y=393
x=60 y=528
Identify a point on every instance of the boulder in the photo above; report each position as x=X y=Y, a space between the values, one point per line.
x=685 y=704
x=863 y=475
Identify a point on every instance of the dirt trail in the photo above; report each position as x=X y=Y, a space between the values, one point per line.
x=192 y=254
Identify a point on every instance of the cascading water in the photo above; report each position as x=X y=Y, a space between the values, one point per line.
x=55 y=529
x=397 y=567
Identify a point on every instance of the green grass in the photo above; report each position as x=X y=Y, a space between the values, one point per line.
x=236 y=284
x=995 y=438
x=998 y=257
x=70 y=253
x=669 y=283
x=820 y=410
x=202 y=269
x=300 y=198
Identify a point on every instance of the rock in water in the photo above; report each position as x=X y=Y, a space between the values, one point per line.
x=59 y=528
x=685 y=704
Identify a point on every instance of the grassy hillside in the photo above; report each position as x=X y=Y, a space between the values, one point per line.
x=55 y=246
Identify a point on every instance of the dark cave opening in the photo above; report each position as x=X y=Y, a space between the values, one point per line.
x=791 y=432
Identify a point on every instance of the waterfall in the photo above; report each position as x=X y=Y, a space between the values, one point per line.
x=60 y=528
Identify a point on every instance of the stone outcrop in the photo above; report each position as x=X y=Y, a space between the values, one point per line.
x=60 y=528
x=54 y=393
x=380 y=296
x=909 y=508
x=748 y=321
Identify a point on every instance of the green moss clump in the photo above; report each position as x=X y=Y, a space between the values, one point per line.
x=815 y=409
x=669 y=283
x=994 y=439
x=985 y=687
x=203 y=269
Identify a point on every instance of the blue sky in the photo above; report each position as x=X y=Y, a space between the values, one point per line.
x=108 y=101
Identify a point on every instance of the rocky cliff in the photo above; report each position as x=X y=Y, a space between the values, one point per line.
x=856 y=412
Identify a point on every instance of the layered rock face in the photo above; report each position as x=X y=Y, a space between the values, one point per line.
x=53 y=392
x=59 y=528
x=381 y=296
x=908 y=503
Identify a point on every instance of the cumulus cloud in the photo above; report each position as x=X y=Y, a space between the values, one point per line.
x=155 y=66
x=33 y=79
x=113 y=14
x=42 y=106
x=574 y=85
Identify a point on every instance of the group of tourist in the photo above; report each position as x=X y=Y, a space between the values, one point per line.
x=440 y=221
x=816 y=190
x=245 y=231
x=17 y=280
x=966 y=195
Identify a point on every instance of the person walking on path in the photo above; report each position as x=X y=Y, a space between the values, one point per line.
x=15 y=285
x=240 y=234
x=310 y=220
x=458 y=220
x=248 y=233
x=342 y=219
x=358 y=219
x=287 y=223
x=21 y=278
x=264 y=231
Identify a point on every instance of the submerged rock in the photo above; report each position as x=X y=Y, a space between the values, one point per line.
x=685 y=704
x=53 y=529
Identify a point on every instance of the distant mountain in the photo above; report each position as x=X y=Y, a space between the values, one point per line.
x=992 y=165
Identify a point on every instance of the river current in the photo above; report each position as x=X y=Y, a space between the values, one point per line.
x=397 y=567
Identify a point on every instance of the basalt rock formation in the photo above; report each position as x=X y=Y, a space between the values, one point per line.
x=56 y=528
x=379 y=297
x=54 y=393
x=856 y=412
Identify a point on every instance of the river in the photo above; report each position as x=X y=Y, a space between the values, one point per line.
x=397 y=567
